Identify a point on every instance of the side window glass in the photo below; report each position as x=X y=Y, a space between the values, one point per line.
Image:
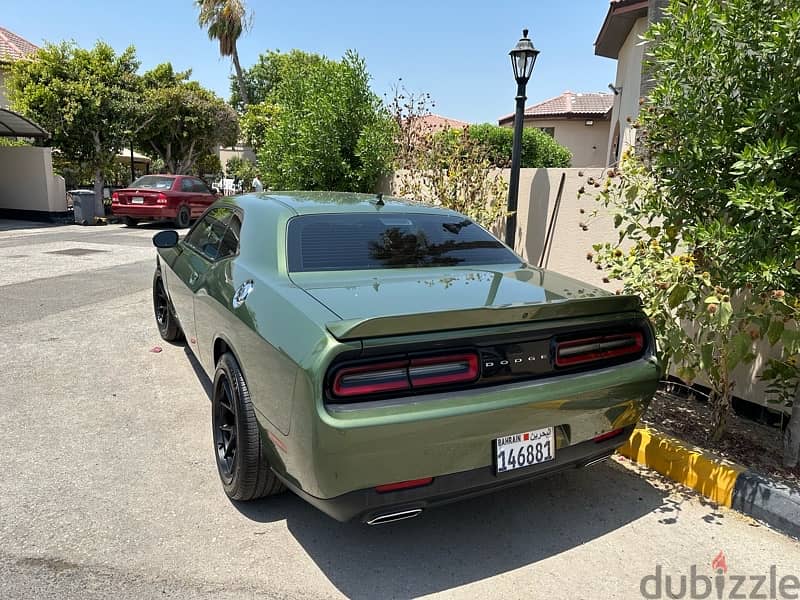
x=229 y=245
x=207 y=235
x=186 y=185
x=200 y=187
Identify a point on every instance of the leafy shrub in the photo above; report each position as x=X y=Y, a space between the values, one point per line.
x=538 y=148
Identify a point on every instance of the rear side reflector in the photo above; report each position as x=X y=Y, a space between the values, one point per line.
x=403 y=485
x=600 y=347
x=406 y=374
x=607 y=435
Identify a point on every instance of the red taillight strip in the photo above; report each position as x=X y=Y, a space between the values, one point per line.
x=371 y=379
x=607 y=435
x=406 y=374
x=598 y=348
x=403 y=485
x=445 y=369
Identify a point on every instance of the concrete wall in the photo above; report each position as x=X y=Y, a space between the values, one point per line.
x=626 y=103
x=588 y=143
x=27 y=182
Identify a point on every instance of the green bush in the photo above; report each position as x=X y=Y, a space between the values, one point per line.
x=320 y=127
x=538 y=148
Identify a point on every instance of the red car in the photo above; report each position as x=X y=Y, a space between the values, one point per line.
x=180 y=198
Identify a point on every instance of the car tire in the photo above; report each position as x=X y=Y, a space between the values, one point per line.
x=167 y=324
x=129 y=222
x=184 y=217
x=242 y=466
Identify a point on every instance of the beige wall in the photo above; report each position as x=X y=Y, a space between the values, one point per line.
x=629 y=78
x=27 y=181
x=588 y=143
x=225 y=154
x=3 y=92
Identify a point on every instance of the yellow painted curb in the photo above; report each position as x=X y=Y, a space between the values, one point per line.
x=689 y=466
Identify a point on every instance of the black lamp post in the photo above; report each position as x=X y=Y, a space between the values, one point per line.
x=523 y=57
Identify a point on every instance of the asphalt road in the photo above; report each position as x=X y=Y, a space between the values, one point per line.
x=109 y=488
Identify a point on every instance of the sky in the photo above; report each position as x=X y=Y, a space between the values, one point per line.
x=455 y=50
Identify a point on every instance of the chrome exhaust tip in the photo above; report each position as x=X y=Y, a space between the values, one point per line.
x=597 y=460
x=395 y=516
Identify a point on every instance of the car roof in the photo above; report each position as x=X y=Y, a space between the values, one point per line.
x=301 y=203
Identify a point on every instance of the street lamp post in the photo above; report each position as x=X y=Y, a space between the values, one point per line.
x=523 y=57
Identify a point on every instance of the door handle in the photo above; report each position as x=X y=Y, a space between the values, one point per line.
x=193 y=277
x=242 y=293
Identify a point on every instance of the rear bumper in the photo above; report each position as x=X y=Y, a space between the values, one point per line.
x=144 y=211
x=366 y=504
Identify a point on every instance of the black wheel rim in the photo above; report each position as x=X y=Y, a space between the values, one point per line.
x=225 y=438
x=183 y=217
x=161 y=305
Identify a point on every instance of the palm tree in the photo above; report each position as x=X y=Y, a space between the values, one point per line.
x=225 y=20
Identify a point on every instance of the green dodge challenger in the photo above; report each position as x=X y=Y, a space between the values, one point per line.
x=379 y=357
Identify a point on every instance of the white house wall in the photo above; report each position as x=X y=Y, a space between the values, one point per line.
x=629 y=78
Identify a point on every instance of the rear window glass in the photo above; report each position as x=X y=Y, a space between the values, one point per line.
x=156 y=182
x=364 y=241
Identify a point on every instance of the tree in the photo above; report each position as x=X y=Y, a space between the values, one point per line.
x=225 y=21
x=241 y=171
x=181 y=121
x=711 y=197
x=260 y=79
x=87 y=99
x=320 y=127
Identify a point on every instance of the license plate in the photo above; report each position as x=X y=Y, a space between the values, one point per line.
x=137 y=200
x=524 y=449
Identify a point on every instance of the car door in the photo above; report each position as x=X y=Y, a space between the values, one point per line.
x=188 y=197
x=198 y=252
x=203 y=195
x=213 y=303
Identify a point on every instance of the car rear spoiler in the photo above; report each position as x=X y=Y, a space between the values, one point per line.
x=480 y=317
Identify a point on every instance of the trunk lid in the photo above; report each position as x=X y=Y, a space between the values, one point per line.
x=397 y=302
x=131 y=196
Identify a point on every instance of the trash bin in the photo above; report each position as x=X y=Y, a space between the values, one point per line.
x=83 y=206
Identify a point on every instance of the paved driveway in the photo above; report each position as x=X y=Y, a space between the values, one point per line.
x=110 y=488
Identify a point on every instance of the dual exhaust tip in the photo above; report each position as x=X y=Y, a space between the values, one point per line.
x=410 y=513
x=391 y=517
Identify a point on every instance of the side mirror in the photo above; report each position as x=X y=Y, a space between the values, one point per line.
x=165 y=239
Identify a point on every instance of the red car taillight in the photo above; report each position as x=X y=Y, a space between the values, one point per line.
x=115 y=198
x=405 y=374
x=600 y=347
x=403 y=485
x=161 y=198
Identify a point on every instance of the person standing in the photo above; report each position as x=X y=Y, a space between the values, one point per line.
x=257 y=185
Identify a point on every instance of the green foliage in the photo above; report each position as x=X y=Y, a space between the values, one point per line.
x=242 y=170
x=208 y=166
x=263 y=76
x=181 y=121
x=538 y=148
x=320 y=126
x=710 y=200
x=86 y=99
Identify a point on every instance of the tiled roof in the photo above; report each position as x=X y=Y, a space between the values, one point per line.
x=569 y=104
x=433 y=122
x=13 y=47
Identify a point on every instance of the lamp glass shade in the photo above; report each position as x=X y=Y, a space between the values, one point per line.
x=523 y=58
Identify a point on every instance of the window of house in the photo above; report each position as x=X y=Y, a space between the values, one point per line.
x=551 y=131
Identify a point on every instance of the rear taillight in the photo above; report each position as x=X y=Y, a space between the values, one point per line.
x=115 y=198
x=161 y=198
x=601 y=347
x=405 y=374
x=372 y=379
